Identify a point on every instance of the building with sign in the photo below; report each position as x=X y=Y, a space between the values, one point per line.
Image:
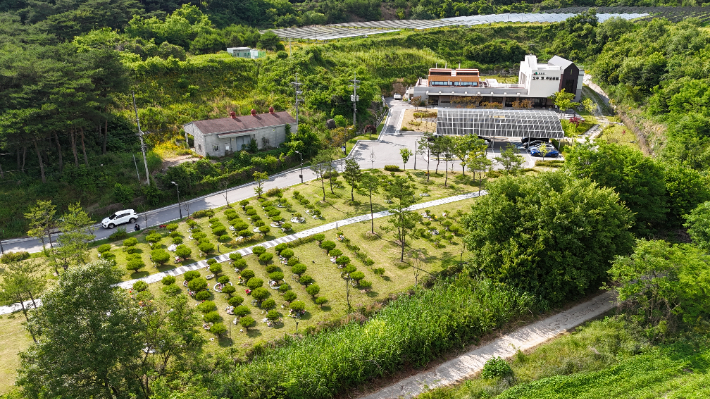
x=536 y=83
x=245 y=52
x=222 y=136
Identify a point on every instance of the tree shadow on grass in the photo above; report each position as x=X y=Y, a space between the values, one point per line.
x=372 y=294
x=253 y=333
x=140 y=274
x=165 y=268
x=225 y=342
x=326 y=308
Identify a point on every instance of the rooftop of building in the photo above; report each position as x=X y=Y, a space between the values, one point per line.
x=243 y=123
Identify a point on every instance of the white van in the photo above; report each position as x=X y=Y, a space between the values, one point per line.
x=397 y=96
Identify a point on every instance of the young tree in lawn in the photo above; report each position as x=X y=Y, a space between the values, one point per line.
x=436 y=148
x=259 y=178
x=77 y=231
x=478 y=162
x=400 y=191
x=447 y=151
x=371 y=184
x=246 y=322
x=352 y=175
x=405 y=153
x=510 y=160
x=463 y=146
x=19 y=284
x=321 y=165
x=424 y=147
x=41 y=221
x=543 y=150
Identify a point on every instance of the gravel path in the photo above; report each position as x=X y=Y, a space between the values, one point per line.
x=466 y=365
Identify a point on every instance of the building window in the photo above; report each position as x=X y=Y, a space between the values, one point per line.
x=215 y=148
x=199 y=147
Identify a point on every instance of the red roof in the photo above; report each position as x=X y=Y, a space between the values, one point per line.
x=243 y=123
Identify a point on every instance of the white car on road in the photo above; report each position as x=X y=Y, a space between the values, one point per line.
x=120 y=217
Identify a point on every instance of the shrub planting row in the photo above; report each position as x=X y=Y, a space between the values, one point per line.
x=411 y=331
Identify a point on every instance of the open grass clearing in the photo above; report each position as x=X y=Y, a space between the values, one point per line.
x=619 y=134
x=13 y=339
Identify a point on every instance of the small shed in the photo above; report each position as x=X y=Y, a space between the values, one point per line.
x=219 y=137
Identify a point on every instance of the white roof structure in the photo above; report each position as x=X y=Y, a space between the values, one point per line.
x=499 y=123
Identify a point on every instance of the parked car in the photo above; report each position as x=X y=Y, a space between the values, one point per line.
x=397 y=96
x=551 y=150
x=120 y=217
x=533 y=143
x=528 y=139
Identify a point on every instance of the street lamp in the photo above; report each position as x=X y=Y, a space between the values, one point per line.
x=178 y=194
x=300 y=155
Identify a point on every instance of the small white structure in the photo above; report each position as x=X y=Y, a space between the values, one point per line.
x=219 y=137
x=245 y=52
x=544 y=80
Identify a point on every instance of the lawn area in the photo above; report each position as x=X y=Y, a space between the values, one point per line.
x=13 y=339
x=619 y=134
x=337 y=206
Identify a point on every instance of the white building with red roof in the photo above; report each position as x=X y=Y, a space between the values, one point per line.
x=223 y=136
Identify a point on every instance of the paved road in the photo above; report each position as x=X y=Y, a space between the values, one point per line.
x=466 y=365
x=368 y=154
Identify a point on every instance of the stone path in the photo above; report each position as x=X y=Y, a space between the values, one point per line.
x=268 y=244
x=466 y=365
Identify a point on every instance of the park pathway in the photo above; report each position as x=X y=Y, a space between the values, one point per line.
x=268 y=244
x=468 y=364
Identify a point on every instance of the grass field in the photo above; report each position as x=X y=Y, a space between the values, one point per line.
x=619 y=134
x=13 y=339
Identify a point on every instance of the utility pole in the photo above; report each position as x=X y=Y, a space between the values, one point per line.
x=354 y=98
x=297 y=93
x=140 y=136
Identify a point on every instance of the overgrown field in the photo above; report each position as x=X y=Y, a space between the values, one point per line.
x=605 y=358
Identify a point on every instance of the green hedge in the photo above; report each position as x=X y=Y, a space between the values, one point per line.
x=410 y=331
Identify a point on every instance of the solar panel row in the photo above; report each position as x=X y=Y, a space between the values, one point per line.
x=356 y=29
x=499 y=123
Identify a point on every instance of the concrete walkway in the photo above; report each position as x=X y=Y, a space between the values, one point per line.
x=468 y=364
x=268 y=244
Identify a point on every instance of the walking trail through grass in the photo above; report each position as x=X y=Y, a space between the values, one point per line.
x=468 y=364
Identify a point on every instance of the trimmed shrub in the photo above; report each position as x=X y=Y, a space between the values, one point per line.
x=357 y=276
x=223 y=280
x=284 y=287
x=319 y=237
x=212 y=317
x=276 y=276
x=313 y=290
x=260 y=294
x=254 y=283
x=241 y=311
x=199 y=235
x=293 y=261
x=172 y=226
x=379 y=271
x=191 y=223
x=273 y=192
x=299 y=268
x=206 y=246
x=270 y=268
x=172 y=290
x=266 y=258
x=320 y=301
x=203 y=295
x=228 y=289
x=167 y=280
x=336 y=252
x=287 y=226
x=207 y=306
x=154 y=238
x=370 y=262
x=219 y=231
x=268 y=304
x=287 y=253
x=245 y=233
x=305 y=279
x=247 y=273
x=129 y=242
x=183 y=251
x=197 y=284
x=364 y=284
x=298 y=305
x=235 y=256
x=343 y=260
x=191 y=275
x=327 y=245
x=240 y=264
x=225 y=238
x=211 y=261
x=102 y=248
x=289 y=296
x=246 y=322
x=258 y=250
x=108 y=256
x=135 y=263
x=212 y=220
x=236 y=300
x=264 y=230
x=392 y=168
x=218 y=329
x=280 y=248
x=273 y=315
x=177 y=240
x=496 y=367
x=159 y=256
x=140 y=286
x=216 y=268
x=119 y=234
x=243 y=203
